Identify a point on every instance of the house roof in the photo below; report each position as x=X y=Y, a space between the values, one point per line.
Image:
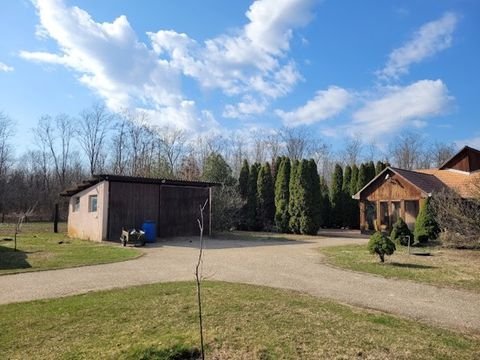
x=463 y=183
x=426 y=183
x=431 y=180
x=95 y=179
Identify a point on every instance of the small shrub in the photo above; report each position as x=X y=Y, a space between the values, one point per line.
x=381 y=245
x=426 y=227
x=400 y=233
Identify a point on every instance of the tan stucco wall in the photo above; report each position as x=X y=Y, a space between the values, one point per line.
x=89 y=225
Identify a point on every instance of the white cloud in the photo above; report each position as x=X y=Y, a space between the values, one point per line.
x=252 y=60
x=401 y=107
x=107 y=56
x=245 y=108
x=5 y=68
x=430 y=39
x=325 y=104
x=110 y=59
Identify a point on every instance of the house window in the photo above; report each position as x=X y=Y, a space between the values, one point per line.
x=92 y=203
x=370 y=215
x=395 y=211
x=76 y=204
x=384 y=213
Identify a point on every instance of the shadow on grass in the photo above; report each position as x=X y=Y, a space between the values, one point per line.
x=178 y=352
x=11 y=260
x=411 y=266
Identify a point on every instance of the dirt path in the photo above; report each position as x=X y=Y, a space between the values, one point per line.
x=293 y=265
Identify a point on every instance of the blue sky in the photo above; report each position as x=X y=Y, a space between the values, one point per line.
x=366 y=69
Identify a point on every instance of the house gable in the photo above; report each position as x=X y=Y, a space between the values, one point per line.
x=389 y=185
x=467 y=160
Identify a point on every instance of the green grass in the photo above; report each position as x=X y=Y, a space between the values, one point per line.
x=445 y=267
x=38 y=248
x=241 y=322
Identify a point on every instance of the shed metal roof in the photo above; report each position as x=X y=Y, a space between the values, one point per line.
x=132 y=179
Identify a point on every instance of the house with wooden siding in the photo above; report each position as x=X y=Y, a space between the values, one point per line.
x=395 y=192
x=101 y=206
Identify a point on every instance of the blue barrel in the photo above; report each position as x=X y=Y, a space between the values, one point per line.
x=150 y=229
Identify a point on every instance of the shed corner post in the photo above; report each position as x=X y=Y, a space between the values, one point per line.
x=210 y=211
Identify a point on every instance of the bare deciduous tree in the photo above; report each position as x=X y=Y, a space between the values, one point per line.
x=172 y=145
x=6 y=156
x=94 y=125
x=55 y=136
x=458 y=217
x=440 y=152
x=297 y=142
x=198 y=278
x=120 y=146
x=352 y=151
x=407 y=150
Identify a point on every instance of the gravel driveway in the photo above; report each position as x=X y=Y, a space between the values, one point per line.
x=285 y=264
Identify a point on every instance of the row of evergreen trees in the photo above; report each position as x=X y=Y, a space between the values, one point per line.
x=292 y=197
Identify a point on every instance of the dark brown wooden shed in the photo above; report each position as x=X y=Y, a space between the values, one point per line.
x=100 y=207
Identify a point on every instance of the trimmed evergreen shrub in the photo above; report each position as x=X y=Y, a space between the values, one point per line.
x=336 y=196
x=362 y=178
x=348 y=203
x=325 y=206
x=265 y=198
x=308 y=197
x=243 y=180
x=399 y=233
x=282 y=196
x=293 y=206
x=316 y=195
x=381 y=245
x=426 y=227
x=379 y=167
x=370 y=171
x=354 y=180
x=251 y=205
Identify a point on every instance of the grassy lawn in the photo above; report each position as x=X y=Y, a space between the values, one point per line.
x=445 y=267
x=40 y=249
x=241 y=321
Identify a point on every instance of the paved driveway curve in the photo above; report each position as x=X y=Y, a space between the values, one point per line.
x=285 y=264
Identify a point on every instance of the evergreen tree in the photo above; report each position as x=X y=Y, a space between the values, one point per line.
x=325 y=206
x=310 y=219
x=400 y=233
x=251 y=205
x=354 y=180
x=336 y=196
x=265 y=197
x=426 y=227
x=355 y=217
x=362 y=177
x=347 y=202
x=243 y=180
x=216 y=169
x=276 y=167
x=282 y=196
x=293 y=205
x=370 y=171
x=379 y=167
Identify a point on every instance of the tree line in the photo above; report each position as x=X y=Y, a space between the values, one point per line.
x=68 y=149
x=292 y=197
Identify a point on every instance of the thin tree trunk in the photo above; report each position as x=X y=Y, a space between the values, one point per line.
x=198 y=279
